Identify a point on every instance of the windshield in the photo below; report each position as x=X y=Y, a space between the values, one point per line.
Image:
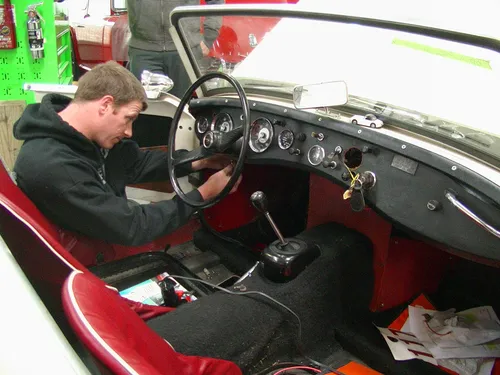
x=423 y=81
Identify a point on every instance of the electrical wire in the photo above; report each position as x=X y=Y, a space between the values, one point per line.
x=276 y=366
x=348 y=170
x=254 y=292
x=284 y=370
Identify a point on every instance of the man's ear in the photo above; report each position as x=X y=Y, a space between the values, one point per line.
x=106 y=104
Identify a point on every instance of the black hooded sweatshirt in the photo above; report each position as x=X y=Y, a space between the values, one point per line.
x=68 y=178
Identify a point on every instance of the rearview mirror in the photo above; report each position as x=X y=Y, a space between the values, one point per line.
x=326 y=94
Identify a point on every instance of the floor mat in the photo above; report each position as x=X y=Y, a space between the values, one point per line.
x=254 y=332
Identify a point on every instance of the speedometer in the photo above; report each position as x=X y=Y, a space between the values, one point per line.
x=285 y=139
x=223 y=123
x=261 y=135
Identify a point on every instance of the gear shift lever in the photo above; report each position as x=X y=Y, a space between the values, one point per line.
x=283 y=260
x=259 y=201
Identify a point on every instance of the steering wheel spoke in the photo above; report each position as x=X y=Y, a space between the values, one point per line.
x=213 y=142
x=229 y=138
x=190 y=156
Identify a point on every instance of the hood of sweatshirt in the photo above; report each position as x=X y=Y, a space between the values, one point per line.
x=42 y=120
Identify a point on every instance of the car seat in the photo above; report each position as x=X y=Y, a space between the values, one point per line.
x=120 y=340
x=34 y=243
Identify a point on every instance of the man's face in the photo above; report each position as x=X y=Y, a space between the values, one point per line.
x=116 y=124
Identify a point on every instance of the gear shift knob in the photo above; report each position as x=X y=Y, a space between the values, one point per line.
x=259 y=201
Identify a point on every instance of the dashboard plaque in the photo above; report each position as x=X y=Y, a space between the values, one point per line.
x=404 y=164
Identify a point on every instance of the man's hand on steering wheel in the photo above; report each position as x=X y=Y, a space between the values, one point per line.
x=210 y=152
x=217 y=182
x=213 y=162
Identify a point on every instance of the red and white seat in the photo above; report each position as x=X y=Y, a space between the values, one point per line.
x=34 y=242
x=120 y=340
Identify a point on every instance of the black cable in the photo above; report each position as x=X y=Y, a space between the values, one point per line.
x=299 y=335
x=207 y=226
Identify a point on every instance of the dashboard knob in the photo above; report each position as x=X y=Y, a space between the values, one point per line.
x=318 y=136
x=434 y=205
x=294 y=151
x=301 y=137
x=329 y=164
x=370 y=150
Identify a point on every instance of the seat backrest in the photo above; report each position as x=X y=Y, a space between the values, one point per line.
x=74 y=248
x=121 y=340
x=19 y=201
x=34 y=241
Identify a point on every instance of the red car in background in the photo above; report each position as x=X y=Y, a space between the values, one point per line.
x=107 y=39
x=239 y=35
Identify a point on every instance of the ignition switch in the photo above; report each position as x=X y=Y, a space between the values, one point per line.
x=364 y=182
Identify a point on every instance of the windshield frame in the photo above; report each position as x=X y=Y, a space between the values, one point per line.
x=297 y=11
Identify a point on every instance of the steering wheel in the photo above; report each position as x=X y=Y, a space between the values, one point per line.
x=213 y=142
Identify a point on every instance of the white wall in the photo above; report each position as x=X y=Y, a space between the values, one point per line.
x=98 y=9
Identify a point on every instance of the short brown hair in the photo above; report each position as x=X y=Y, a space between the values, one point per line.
x=110 y=78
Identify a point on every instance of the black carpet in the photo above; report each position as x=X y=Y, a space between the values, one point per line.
x=253 y=332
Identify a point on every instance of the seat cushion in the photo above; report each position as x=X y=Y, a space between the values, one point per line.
x=120 y=339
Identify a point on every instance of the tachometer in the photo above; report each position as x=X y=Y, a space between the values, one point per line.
x=285 y=139
x=223 y=123
x=316 y=155
x=261 y=135
x=202 y=124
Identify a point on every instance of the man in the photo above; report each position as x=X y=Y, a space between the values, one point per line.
x=76 y=161
x=151 y=46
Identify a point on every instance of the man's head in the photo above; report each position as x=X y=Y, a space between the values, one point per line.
x=113 y=98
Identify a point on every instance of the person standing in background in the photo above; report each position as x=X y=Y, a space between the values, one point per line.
x=151 y=47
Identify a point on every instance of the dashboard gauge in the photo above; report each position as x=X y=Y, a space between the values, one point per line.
x=202 y=124
x=316 y=155
x=261 y=135
x=285 y=139
x=223 y=123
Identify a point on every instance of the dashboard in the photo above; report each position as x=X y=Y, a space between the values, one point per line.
x=401 y=181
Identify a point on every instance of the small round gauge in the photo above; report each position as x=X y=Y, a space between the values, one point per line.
x=202 y=124
x=261 y=135
x=315 y=155
x=223 y=123
x=285 y=139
